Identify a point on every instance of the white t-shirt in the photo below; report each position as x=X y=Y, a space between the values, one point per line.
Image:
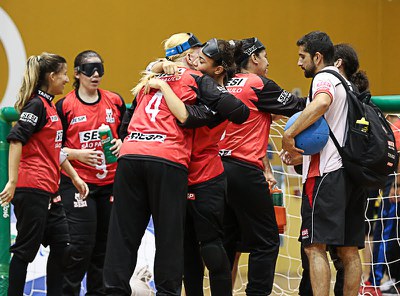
x=336 y=115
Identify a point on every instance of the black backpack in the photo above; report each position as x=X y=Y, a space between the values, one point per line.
x=369 y=153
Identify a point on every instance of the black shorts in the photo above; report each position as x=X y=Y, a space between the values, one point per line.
x=249 y=216
x=40 y=220
x=205 y=207
x=332 y=211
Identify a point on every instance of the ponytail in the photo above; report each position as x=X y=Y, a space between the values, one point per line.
x=29 y=82
x=35 y=76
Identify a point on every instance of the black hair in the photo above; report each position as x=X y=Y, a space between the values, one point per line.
x=318 y=41
x=350 y=64
x=227 y=58
x=241 y=46
x=81 y=58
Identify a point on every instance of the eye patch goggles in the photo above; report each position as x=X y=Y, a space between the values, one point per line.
x=192 y=42
x=89 y=69
x=211 y=49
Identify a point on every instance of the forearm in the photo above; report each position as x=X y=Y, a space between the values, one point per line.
x=14 y=158
x=156 y=67
x=309 y=115
x=175 y=105
x=267 y=165
x=73 y=154
x=67 y=167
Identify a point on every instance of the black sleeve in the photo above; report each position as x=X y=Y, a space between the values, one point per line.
x=31 y=120
x=122 y=111
x=219 y=100
x=123 y=128
x=275 y=100
x=199 y=115
x=63 y=118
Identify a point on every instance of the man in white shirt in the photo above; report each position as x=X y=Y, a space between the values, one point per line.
x=332 y=208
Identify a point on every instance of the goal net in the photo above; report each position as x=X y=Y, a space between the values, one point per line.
x=288 y=268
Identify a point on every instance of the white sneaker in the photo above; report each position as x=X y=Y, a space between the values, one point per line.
x=387 y=285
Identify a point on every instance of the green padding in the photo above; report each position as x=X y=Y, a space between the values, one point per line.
x=9 y=114
x=389 y=104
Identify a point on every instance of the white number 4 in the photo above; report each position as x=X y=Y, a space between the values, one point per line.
x=153 y=105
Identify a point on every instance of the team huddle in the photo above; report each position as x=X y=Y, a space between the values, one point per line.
x=192 y=155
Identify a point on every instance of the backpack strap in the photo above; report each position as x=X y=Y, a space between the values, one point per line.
x=346 y=87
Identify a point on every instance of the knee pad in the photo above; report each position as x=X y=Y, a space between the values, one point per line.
x=214 y=255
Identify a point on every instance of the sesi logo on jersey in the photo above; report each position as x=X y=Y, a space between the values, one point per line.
x=235 y=81
x=89 y=139
x=58 y=139
x=235 y=85
x=135 y=136
x=59 y=135
x=284 y=97
x=29 y=117
x=88 y=136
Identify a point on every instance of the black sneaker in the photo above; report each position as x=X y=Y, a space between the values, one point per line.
x=394 y=290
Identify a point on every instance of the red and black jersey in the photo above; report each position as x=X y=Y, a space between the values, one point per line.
x=248 y=142
x=81 y=121
x=215 y=111
x=217 y=105
x=205 y=162
x=153 y=131
x=39 y=129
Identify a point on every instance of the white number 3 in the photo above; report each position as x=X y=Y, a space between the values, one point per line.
x=153 y=105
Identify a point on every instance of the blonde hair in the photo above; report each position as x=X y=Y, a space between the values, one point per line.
x=35 y=76
x=171 y=42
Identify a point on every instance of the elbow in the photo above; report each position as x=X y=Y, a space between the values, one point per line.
x=324 y=106
x=182 y=118
x=239 y=115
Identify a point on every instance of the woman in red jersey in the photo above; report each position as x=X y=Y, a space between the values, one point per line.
x=207 y=181
x=249 y=217
x=34 y=161
x=82 y=112
x=157 y=151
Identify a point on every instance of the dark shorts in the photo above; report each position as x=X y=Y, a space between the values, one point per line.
x=249 y=216
x=205 y=207
x=40 y=220
x=332 y=211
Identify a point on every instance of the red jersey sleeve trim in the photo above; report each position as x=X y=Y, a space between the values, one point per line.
x=324 y=91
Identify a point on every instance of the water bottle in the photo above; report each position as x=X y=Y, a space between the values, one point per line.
x=279 y=209
x=362 y=125
x=106 y=138
x=277 y=196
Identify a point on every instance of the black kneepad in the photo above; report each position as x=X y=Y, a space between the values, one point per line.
x=214 y=255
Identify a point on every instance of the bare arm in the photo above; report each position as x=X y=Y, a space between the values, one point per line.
x=163 y=66
x=14 y=158
x=269 y=175
x=310 y=114
x=91 y=157
x=76 y=180
x=174 y=104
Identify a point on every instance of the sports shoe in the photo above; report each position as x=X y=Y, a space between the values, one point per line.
x=392 y=291
x=366 y=289
x=387 y=285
